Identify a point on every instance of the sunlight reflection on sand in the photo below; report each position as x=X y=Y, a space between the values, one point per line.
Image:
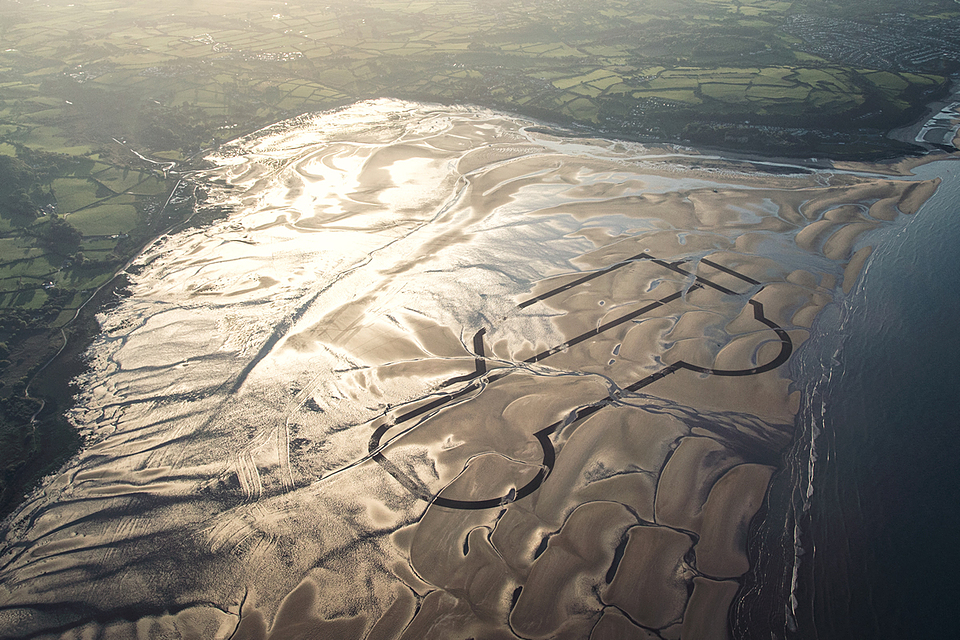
x=381 y=400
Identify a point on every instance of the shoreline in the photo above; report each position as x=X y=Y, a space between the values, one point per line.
x=53 y=385
x=53 y=377
x=894 y=163
x=814 y=501
x=908 y=132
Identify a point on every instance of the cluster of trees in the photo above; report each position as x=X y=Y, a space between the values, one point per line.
x=182 y=127
x=17 y=444
x=61 y=237
x=25 y=180
x=18 y=185
x=12 y=321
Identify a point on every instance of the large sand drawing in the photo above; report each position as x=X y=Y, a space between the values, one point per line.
x=543 y=435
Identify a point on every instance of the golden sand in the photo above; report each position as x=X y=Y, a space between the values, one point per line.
x=441 y=376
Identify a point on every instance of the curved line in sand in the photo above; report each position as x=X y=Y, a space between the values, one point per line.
x=543 y=436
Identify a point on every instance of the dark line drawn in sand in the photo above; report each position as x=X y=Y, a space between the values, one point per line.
x=543 y=436
x=586 y=278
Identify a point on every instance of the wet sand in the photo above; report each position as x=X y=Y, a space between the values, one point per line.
x=438 y=376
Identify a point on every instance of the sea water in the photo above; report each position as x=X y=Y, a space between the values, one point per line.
x=865 y=519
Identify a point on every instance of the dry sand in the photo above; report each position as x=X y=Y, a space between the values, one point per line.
x=442 y=377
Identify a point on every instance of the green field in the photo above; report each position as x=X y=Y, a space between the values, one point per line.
x=180 y=76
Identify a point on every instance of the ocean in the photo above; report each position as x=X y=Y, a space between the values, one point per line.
x=862 y=525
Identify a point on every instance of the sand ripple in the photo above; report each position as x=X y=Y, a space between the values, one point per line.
x=439 y=375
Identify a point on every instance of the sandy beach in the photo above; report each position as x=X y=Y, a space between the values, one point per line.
x=441 y=376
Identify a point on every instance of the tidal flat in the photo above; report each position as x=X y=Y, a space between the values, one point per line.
x=443 y=374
